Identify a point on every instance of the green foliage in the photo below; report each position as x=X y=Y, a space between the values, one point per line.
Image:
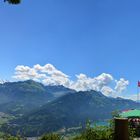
x=102 y=133
x=88 y=124
x=13 y=1
x=132 y=133
x=51 y=137
x=90 y=133
x=115 y=113
x=9 y=137
x=96 y=133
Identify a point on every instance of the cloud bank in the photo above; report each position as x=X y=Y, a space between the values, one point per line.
x=49 y=75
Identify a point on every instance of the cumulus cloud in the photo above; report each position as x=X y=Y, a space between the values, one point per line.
x=47 y=74
x=87 y=83
x=121 y=85
x=108 y=91
x=50 y=75
x=26 y=73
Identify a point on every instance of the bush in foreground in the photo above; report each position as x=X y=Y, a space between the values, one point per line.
x=98 y=133
x=51 y=137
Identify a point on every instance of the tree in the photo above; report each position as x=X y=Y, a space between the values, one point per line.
x=51 y=137
x=13 y=1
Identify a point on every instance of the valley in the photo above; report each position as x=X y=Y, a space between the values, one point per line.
x=31 y=109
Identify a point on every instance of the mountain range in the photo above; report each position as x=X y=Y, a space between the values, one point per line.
x=39 y=109
x=18 y=98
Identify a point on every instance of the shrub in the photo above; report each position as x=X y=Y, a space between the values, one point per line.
x=96 y=133
x=51 y=137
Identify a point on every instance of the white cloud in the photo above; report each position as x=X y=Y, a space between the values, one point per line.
x=49 y=69
x=87 y=83
x=108 y=91
x=26 y=73
x=121 y=85
x=49 y=75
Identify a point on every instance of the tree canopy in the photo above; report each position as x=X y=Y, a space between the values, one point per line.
x=13 y=1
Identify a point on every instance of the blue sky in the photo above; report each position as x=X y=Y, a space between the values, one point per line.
x=76 y=36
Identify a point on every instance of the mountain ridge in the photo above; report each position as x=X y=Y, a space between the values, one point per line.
x=70 y=110
x=39 y=109
x=27 y=93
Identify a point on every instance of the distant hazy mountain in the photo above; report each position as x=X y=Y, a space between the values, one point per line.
x=67 y=111
x=20 y=97
x=59 y=90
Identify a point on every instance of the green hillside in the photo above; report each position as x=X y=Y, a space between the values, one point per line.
x=68 y=111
